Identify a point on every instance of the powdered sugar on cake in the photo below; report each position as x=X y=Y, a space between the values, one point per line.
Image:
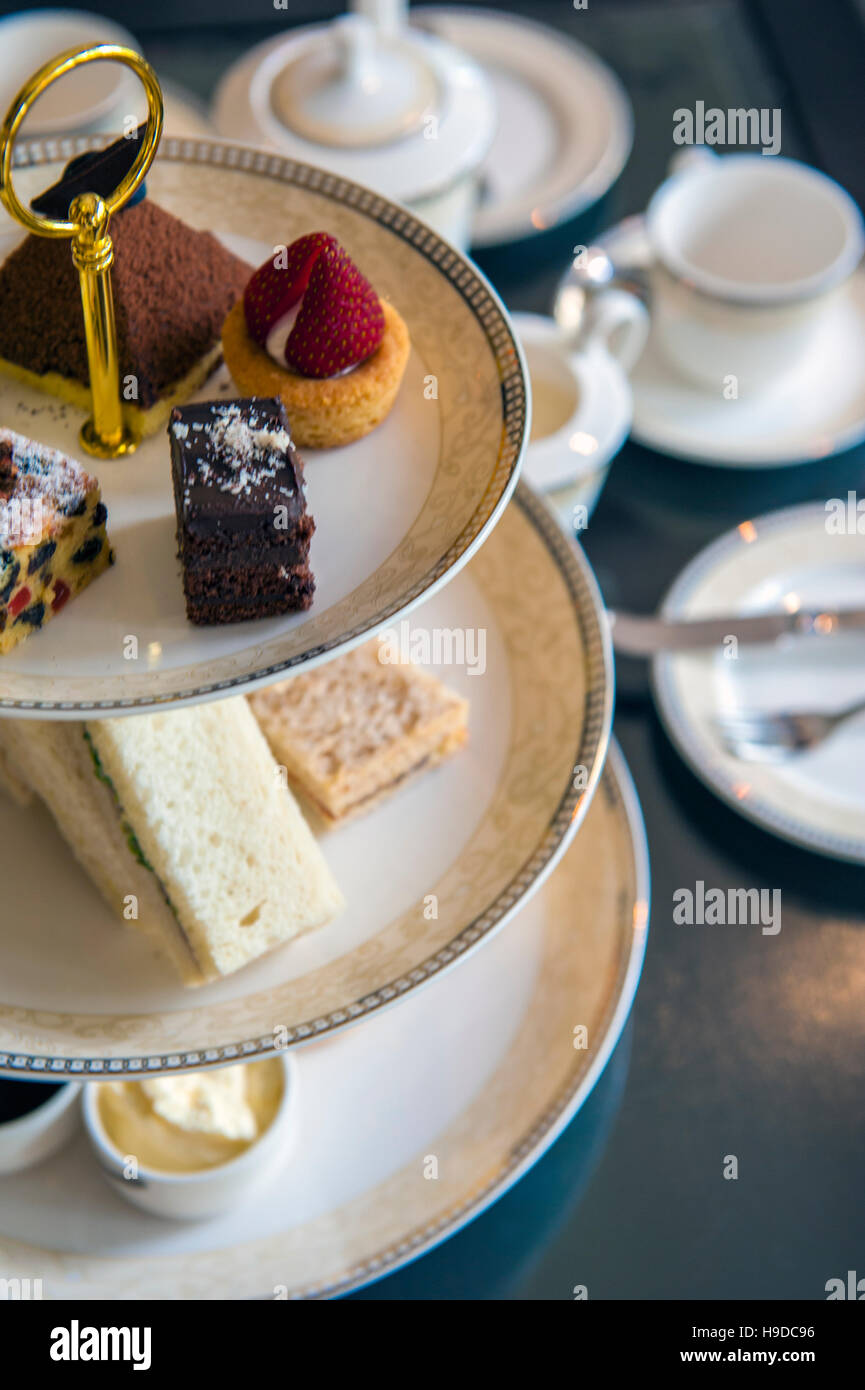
x=29 y=469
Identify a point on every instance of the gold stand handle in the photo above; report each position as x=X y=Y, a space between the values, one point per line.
x=92 y=248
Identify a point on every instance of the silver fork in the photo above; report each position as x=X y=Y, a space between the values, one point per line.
x=755 y=736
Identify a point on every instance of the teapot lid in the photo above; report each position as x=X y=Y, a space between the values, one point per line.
x=354 y=87
x=383 y=104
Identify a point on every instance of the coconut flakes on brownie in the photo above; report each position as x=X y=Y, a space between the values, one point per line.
x=242 y=524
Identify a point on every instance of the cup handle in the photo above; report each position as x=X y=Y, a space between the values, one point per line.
x=620 y=323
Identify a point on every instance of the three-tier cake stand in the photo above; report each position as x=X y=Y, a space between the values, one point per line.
x=468 y=1034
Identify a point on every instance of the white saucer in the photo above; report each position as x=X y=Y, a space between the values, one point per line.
x=565 y=124
x=815 y=412
x=467 y=1083
x=816 y=799
x=91 y=102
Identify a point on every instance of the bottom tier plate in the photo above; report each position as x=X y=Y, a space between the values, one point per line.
x=480 y=1071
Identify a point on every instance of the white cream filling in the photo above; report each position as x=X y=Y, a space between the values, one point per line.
x=205 y=1102
x=278 y=337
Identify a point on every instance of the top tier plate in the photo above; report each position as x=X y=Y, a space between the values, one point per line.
x=397 y=513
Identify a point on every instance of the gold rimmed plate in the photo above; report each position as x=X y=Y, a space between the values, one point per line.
x=397 y=514
x=480 y=1072
x=428 y=875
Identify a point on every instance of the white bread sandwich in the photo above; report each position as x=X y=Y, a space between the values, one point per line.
x=350 y=732
x=14 y=786
x=185 y=825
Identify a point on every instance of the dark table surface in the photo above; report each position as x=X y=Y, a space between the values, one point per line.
x=739 y=1043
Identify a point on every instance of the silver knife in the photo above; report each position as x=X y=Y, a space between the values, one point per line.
x=636 y=635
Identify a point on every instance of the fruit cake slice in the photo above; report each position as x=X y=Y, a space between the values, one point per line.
x=52 y=534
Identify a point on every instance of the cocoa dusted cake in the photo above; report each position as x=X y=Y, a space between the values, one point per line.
x=242 y=526
x=173 y=286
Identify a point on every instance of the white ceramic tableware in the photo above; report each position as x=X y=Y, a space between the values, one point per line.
x=810 y=556
x=581 y=412
x=376 y=101
x=564 y=127
x=41 y=1132
x=396 y=513
x=751 y=251
x=81 y=101
x=815 y=411
x=84 y=992
x=199 y=1195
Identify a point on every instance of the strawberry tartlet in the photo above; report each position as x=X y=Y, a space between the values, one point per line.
x=311 y=330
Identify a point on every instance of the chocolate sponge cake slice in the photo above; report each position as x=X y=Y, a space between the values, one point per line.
x=243 y=530
x=173 y=286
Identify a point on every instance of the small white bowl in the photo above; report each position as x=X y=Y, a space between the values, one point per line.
x=581 y=411
x=194 y=1196
x=40 y=1133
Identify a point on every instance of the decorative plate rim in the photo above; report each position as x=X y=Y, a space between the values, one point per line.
x=588 y=608
x=693 y=749
x=572 y=1095
x=482 y=301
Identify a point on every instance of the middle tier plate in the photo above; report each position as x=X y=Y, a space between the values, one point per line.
x=427 y=876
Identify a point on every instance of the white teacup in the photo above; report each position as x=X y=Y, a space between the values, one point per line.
x=95 y=98
x=750 y=253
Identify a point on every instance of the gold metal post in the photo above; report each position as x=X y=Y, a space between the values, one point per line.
x=93 y=254
x=92 y=248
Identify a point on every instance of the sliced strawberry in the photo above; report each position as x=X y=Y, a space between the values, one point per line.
x=18 y=601
x=340 y=321
x=278 y=284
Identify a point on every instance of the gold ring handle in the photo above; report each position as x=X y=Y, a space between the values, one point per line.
x=33 y=89
x=105 y=434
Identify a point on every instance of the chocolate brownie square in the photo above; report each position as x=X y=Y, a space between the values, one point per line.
x=243 y=529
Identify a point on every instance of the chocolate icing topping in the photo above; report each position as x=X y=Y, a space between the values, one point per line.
x=97 y=171
x=233 y=464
